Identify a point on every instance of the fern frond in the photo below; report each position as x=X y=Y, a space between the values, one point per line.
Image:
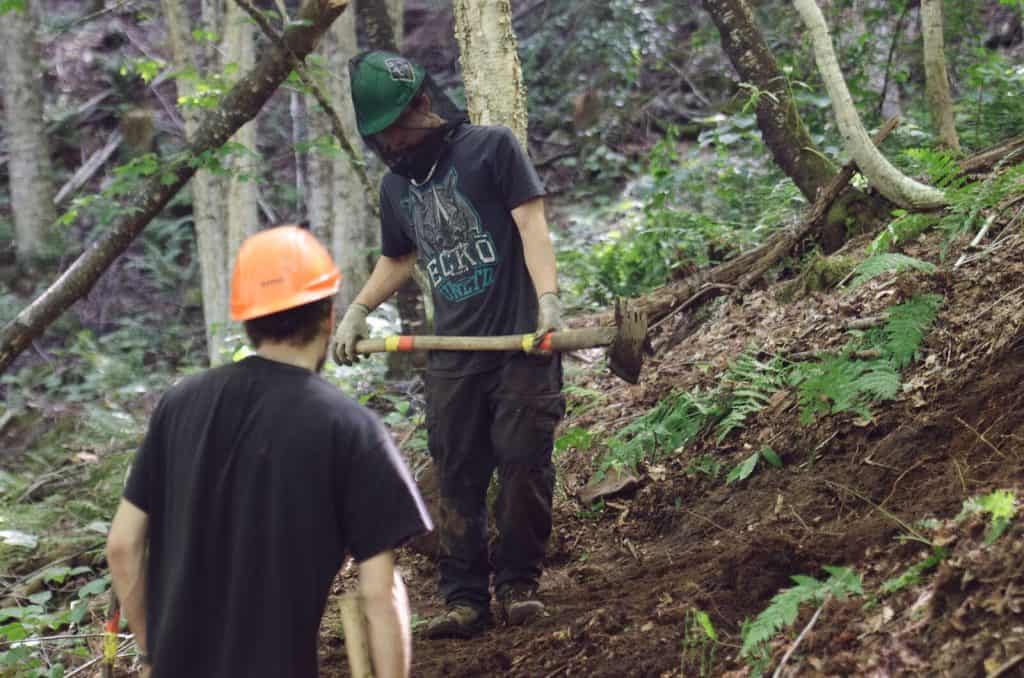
x=906 y=327
x=753 y=383
x=941 y=167
x=879 y=382
x=785 y=605
x=874 y=266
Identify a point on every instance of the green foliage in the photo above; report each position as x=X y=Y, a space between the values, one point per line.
x=876 y=265
x=700 y=643
x=785 y=605
x=751 y=385
x=842 y=383
x=913 y=574
x=968 y=204
x=11 y=6
x=992 y=106
x=575 y=437
x=905 y=328
x=746 y=467
x=1001 y=507
x=906 y=227
x=675 y=421
x=705 y=464
x=839 y=383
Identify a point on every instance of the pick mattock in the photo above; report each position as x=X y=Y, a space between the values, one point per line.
x=625 y=342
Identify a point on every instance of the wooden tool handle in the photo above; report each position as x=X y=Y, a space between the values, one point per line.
x=356 y=646
x=566 y=340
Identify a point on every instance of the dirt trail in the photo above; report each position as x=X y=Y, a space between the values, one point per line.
x=619 y=584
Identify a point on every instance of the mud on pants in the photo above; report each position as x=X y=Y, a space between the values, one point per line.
x=502 y=419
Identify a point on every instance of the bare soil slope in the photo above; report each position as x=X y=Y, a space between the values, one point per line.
x=619 y=583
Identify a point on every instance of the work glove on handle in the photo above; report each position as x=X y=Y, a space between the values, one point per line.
x=351 y=329
x=549 y=316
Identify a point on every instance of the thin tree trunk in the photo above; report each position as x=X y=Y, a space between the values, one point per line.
x=940 y=102
x=879 y=172
x=495 y=92
x=777 y=115
x=396 y=12
x=240 y=105
x=31 y=180
x=208 y=190
x=377 y=24
x=242 y=208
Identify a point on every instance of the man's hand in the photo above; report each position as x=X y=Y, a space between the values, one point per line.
x=351 y=329
x=549 y=316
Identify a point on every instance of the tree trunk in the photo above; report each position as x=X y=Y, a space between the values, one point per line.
x=879 y=172
x=396 y=12
x=495 y=92
x=31 y=180
x=780 y=123
x=940 y=102
x=377 y=24
x=224 y=208
x=783 y=130
x=208 y=190
x=242 y=208
x=240 y=105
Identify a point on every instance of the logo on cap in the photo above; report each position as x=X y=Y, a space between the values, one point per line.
x=400 y=70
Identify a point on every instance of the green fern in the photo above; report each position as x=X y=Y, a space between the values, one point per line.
x=941 y=167
x=906 y=327
x=752 y=383
x=785 y=605
x=841 y=384
x=906 y=227
x=876 y=265
x=912 y=575
x=671 y=424
x=967 y=204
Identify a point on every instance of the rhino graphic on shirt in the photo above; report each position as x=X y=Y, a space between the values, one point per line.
x=457 y=252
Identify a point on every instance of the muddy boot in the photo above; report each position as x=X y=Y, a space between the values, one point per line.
x=519 y=604
x=459 y=621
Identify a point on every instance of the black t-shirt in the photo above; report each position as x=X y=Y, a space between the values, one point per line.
x=258 y=478
x=460 y=224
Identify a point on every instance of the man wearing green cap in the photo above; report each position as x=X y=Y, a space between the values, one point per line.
x=466 y=202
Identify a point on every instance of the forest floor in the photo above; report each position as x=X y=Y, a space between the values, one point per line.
x=622 y=582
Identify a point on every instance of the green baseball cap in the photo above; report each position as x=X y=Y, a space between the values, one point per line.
x=383 y=84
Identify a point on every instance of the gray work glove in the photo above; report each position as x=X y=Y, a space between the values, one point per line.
x=351 y=329
x=549 y=316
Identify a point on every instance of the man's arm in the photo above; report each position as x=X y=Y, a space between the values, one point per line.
x=387 y=615
x=537 y=247
x=388 y=275
x=126 y=555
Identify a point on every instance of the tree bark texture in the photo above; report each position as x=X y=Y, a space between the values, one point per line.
x=778 y=118
x=238 y=106
x=940 y=101
x=880 y=173
x=224 y=207
x=495 y=92
x=31 y=180
x=378 y=26
x=338 y=202
x=396 y=12
x=239 y=48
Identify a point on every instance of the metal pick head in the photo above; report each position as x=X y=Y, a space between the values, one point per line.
x=625 y=355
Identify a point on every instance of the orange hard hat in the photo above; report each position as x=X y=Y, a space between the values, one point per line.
x=278 y=269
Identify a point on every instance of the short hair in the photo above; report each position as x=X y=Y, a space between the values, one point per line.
x=297 y=326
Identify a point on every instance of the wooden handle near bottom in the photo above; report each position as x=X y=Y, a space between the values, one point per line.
x=356 y=646
x=566 y=340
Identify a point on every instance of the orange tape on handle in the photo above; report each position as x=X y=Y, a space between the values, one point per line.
x=545 y=343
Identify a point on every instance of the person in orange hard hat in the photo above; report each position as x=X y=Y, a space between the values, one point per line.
x=254 y=482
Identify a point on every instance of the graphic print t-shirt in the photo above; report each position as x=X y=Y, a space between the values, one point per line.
x=258 y=478
x=461 y=227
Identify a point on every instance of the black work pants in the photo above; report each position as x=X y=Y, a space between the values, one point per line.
x=503 y=419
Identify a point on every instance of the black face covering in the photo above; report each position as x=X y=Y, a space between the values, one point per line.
x=416 y=163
